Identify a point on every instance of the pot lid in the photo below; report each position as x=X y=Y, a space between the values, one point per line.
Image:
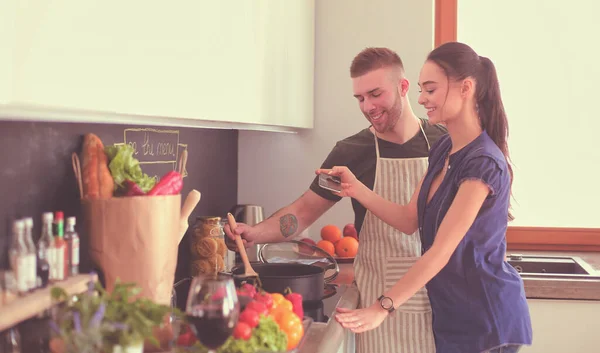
x=294 y=251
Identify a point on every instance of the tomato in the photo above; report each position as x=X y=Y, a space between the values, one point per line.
x=265 y=298
x=186 y=339
x=250 y=289
x=242 y=331
x=259 y=307
x=250 y=317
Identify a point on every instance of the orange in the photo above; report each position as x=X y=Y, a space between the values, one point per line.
x=331 y=233
x=346 y=247
x=327 y=246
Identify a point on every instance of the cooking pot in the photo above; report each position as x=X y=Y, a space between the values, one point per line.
x=299 y=266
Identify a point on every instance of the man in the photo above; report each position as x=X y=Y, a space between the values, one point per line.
x=390 y=157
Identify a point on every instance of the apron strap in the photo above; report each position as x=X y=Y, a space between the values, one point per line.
x=377 y=141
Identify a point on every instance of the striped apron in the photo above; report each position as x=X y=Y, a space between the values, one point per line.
x=384 y=256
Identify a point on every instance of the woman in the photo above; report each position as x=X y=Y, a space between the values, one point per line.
x=461 y=210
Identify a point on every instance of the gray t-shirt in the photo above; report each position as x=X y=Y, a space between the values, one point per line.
x=357 y=152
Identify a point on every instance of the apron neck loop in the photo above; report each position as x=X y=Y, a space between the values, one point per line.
x=420 y=128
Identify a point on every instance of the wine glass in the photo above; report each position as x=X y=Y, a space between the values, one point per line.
x=212 y=309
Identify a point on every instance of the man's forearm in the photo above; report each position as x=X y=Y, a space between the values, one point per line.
x=293 y=219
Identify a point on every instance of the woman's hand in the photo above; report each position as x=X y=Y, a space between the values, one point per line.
x=351 y=186
x=361 y=320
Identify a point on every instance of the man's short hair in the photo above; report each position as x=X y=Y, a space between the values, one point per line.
x=371 y=59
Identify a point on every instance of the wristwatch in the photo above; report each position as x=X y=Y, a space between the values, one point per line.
x=386 y=303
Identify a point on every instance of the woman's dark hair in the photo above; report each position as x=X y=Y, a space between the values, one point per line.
x=460 y=61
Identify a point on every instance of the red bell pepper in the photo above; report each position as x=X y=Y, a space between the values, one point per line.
x=170 y=184
x=296 y=299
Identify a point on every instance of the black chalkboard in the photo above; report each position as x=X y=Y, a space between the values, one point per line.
x=36 y=173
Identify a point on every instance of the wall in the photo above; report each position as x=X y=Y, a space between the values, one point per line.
x=275 y=169
x=546 y=62
x=36 y=173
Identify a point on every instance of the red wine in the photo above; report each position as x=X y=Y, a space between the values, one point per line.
x=212 y=329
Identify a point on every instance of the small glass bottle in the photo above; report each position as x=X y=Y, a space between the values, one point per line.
x=19 y=257
x=60 y=246
x=31 y=249
x=46 y=253
x=72 y=240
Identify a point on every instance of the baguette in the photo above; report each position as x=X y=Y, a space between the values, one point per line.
x=98 y=183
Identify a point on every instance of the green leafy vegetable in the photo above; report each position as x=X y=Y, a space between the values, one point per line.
x=124 y=166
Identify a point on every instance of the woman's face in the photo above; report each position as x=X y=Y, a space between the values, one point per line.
x=442 y=97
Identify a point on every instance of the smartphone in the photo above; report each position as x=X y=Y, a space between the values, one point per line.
x=330 y=182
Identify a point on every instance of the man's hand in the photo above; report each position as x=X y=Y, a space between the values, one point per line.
x=245 y=231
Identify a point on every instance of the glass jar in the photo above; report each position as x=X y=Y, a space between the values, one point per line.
x=207 y=246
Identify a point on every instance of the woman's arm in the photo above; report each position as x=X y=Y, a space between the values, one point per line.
x=459 y=218
x=461 y=215
x=401 y=217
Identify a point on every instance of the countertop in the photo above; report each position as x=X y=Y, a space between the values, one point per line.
x=534 y=288
x=338 y=339
x=567 y=289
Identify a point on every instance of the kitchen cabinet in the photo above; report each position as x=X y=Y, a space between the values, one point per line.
x=564 y=326
x=248 y=62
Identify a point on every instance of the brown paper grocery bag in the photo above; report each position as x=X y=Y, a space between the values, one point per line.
x=136 y=240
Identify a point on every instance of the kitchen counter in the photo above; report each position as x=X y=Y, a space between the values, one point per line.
x=331 y=337
x=571 y=289
x=568 y=289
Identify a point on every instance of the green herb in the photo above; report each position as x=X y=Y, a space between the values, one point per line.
x=97 y=321
x=124 y=166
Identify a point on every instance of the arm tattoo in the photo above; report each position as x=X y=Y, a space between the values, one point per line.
x=288 y=224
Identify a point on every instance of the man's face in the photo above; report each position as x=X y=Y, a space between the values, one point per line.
x=378 y=93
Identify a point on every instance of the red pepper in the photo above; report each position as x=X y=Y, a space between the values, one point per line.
x=170 y=184
x=296 y=299
x=132 y=189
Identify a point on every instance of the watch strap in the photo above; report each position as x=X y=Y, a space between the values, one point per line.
x=391 y=308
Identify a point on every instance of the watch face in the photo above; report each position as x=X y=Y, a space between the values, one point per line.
x=386 y=303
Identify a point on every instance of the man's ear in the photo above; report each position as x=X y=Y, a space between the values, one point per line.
x=403 y=86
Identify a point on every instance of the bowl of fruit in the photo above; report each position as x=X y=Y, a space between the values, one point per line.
x=342 y=245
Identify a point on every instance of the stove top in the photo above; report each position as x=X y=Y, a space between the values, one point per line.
x=320 y=311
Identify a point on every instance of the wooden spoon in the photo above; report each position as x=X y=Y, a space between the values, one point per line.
x=248 y=270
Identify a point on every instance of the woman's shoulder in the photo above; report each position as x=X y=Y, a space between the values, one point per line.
x=484 y=146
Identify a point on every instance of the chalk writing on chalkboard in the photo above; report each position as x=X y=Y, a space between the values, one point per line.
x=157 y=150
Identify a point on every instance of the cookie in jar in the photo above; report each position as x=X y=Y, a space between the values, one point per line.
x=207 y=246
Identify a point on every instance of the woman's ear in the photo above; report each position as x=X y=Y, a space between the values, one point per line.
x=467 y=88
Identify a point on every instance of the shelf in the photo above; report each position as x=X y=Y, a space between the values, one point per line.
x=31 y=304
